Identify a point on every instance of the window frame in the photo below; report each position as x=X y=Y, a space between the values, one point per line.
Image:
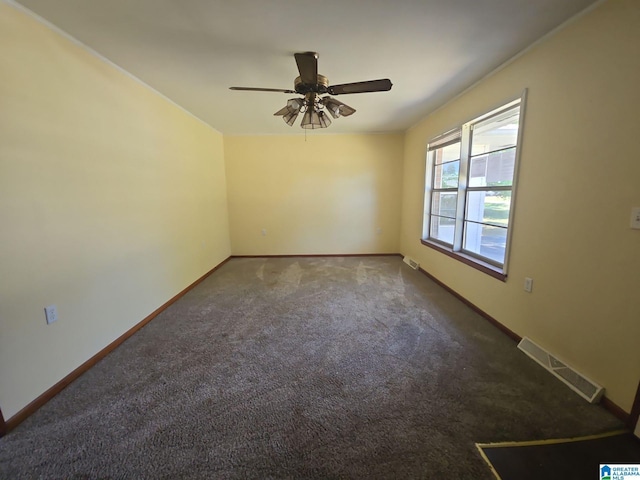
x=456 y=249
x=443 y=141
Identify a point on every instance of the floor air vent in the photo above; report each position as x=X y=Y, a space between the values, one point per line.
x=577 y=382
x=411 y=262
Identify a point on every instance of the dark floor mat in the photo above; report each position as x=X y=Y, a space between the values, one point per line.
x=575 y=458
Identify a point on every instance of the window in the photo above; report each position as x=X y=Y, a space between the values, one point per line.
x=469 y=189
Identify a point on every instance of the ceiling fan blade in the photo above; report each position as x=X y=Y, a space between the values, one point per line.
x=308 y=67
x=252 y=89
x=381 y=85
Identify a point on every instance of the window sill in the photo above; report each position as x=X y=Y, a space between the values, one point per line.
x=484 y=267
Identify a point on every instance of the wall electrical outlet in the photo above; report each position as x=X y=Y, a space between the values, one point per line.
x=528 y=284
x=635 y=218
x=264 y=232
x=51 y=314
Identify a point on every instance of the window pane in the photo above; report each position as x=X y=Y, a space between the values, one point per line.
x=496 y=133
x=442 y=229
x=444 y=203
x=448 y=153
x=489 y=207
x=446 y=176
x=485 y=240
x=493 y=170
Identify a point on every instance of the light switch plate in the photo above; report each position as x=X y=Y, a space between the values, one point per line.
x=528 y=284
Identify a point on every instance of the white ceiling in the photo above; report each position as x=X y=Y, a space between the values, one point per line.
x=192 y=51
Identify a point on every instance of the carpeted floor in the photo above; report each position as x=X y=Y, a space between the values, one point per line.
x=354 y=367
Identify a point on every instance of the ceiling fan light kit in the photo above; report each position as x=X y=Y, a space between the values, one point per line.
x=290 y=118
x=336 y=108
x=313 y=85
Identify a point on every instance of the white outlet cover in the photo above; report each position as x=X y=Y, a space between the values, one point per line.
x=51 y=314
x=635 y=218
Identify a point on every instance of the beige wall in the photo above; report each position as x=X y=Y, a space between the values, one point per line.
x=322 y=194
x=112 y=200
x=579 y=178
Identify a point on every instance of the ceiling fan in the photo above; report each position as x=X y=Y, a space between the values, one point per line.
x=313 y=86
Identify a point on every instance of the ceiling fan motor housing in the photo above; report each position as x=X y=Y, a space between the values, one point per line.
x=321 y=86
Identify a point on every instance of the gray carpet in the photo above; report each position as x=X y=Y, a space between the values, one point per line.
x=355 y=367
